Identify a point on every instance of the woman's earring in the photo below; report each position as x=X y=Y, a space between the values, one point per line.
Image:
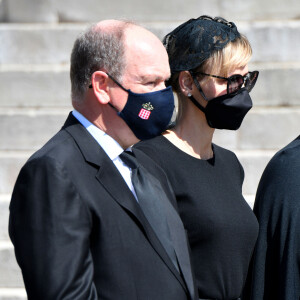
x=189 y=94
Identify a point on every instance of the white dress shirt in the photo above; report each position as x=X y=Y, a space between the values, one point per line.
x=111 y=147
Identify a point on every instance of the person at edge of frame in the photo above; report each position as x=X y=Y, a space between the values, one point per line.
x=275 y=269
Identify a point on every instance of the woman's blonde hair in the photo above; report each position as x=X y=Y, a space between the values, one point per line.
x=234 y=55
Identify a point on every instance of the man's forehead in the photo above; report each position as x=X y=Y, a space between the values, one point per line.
x=145 y=55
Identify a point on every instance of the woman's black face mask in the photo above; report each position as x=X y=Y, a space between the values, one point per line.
x=226 y=111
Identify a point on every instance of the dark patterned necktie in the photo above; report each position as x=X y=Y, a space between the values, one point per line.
x=150 y=196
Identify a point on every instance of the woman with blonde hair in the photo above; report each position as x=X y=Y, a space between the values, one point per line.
x=209 y=73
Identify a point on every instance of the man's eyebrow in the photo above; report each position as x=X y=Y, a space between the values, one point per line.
x=153 y=78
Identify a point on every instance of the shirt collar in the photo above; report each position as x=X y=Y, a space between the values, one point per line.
x=112 y=148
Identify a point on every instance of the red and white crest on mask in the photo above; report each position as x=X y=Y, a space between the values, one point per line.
x=146 y=111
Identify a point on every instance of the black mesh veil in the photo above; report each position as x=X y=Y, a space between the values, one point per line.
x=191 y=43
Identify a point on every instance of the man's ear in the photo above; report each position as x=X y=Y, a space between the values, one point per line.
x=185 y=81
x=99 y=83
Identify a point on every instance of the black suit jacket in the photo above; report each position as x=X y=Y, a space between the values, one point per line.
x=79 y=233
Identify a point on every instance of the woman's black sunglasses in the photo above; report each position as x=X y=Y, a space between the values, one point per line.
x=237 y=81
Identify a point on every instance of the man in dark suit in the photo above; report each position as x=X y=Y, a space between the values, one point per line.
x=75 y=218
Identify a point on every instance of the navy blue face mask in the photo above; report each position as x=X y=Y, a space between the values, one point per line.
x=147 y=114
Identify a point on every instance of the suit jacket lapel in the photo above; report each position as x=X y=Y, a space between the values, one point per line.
x=125 y=198
x=108 y=175
x=116 y=187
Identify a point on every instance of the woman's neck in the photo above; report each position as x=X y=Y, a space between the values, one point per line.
x=192 y=134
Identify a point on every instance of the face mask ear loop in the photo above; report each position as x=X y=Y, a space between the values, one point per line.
x=112 y=107
x=196 y=103
x=117 y=83
x=197 y=84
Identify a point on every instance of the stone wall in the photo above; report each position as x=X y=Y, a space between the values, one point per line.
x=36 y=37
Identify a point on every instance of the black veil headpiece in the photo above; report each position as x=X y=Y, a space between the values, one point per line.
x=194 y=41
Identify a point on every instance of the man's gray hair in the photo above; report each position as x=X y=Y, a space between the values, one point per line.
x=96 y=50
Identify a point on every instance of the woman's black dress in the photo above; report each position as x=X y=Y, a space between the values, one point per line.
x=221 y=226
